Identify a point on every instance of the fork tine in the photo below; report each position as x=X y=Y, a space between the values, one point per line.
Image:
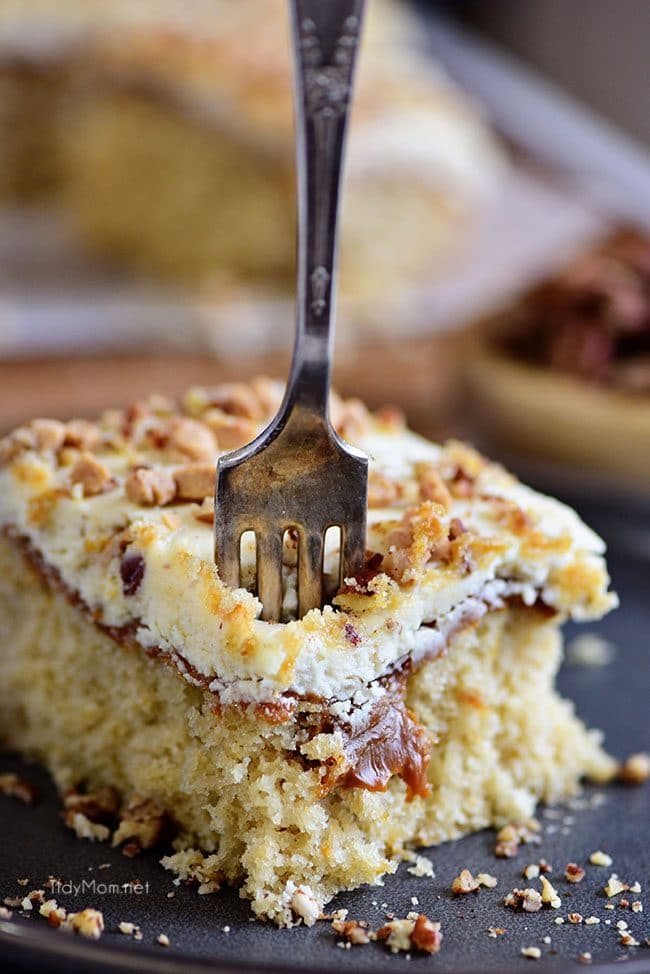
x=269 y=575
x=310 y=572
x=353 y=550
x=227 y=554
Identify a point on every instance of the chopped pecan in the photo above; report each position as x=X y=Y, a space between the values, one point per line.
x=350 y=417
x=143 y=824
x=49 y=433
x=528 y=900
x=100 y=805
x=574 y=873
x=91 y=473
x=14 y=787
x=235 y=399
x=150 y=487
x=426 y=935
x=464 y=883
x=195 y=481
x=354 y=931
x=230 y=431
x=419 y=933
x=189 y=437
x=421 y=537
x=431 y=486
x=82 y=434
x=205 y=511
x=382 y=491
x=88 y=923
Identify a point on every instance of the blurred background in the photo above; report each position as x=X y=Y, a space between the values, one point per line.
x=495 y=259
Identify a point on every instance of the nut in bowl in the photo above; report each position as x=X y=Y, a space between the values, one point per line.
x=563 y=375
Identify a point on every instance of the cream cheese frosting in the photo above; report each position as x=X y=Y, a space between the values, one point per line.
x=150 y=569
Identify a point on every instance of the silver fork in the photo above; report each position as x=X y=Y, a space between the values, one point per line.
x=297 y=474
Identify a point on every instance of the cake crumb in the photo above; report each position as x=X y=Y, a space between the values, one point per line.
x=5 y=913
x=531 y=871
x=534 y=953
x=627 y=940
x=422 y=867
x=487 y=880
x=637 y=906
x=589 y=650
x=615 y=886
x=591 y=921
x=496 y=931
x=305 y=906
x=600 y=858
x=584 y=957
x=549 y=894
x=83 y=828
x=514 y=834
x=163 y=940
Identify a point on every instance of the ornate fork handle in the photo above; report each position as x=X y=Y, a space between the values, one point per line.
x=325 y=39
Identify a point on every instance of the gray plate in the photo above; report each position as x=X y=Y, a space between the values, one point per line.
x=615 y=697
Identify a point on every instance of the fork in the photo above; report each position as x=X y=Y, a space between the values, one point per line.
x=298 y=474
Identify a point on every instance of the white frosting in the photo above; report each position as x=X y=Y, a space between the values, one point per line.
x=181 y=607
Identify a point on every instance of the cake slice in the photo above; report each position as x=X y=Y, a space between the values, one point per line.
x=296 y=758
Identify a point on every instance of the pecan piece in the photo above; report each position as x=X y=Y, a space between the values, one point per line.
x=150 y=487
x=195 y=481
x=91 y=473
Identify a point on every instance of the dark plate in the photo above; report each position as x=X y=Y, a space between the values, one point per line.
x=615 y=697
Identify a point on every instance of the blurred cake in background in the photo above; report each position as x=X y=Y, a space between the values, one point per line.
x=167 y=132
x=564 y=374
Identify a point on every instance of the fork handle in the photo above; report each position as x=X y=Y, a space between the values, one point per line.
x=325 y=36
